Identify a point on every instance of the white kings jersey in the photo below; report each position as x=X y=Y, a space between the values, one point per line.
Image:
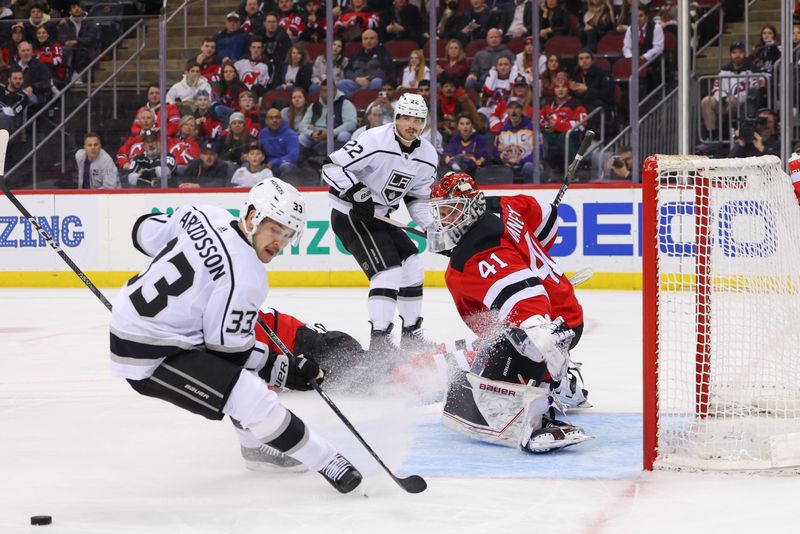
x=391 y=174
x=202 y=290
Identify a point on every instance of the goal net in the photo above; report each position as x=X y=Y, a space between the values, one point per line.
x=721 y=262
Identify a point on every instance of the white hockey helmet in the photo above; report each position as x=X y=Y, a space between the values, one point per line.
x=277 y=200
x=412 y=105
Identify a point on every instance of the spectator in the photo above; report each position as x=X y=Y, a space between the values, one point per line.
x=276 y=41
x=466 y=151
x=251 y=16
x=253 y=170
x=252 y=117
x=651 y=38
x=225 y=93
x=184 y=147
x=520 y=90
x=368 y=67
x=385 y=99
x=759 y=137
x=453 y=100
x=554 y=19
x=37 y=75
x=289 y=19
x=295 y=70
x=315 y=23
x=320 y=68
x=208 y=126
x=232 y=42
x=486 y=59
x=15 y=97
x=373 y=117
x=451 y=22
x=620 y=164
x=524 y=63
x=235 y=140
x=10 y=47
x=598 y=20
x=795 y=35
x=766 y=52
x=132 y=146
x=182 y=93
x=479 y=18
x=145 y=168
x=591 y=85
x=96 y=169
x=548 y=79
x=37 y=19
x=561 y=117
x=293 y=113
x=497 y=86
x=622 y=13
x=210 y=66
x=314 y=128
x=416 y=71
x=352 y=23
x=153 y=104
x=401 y=21
x=517 y=18
x=433 y=136
x=281 y=145
x=49 y=51
x=455 y=64
x=729 y=92
x=22 y=8
x=254 y=72
x=80 y=38
x=514 y=143
x=206 y=171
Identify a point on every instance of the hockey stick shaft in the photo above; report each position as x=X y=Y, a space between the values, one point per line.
x=398 y=224
x=41 y=231
x=412 y=484
x=573 y=167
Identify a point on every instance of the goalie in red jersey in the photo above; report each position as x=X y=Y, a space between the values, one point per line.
x=522 y=307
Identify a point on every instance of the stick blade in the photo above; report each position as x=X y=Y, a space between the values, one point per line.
x=412 y=484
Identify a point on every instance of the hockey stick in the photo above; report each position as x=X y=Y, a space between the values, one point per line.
x=412 y=484
x=398 y=224
x=573 y=167
x=41 y=231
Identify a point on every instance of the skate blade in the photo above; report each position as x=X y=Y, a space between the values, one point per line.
x=265 y=467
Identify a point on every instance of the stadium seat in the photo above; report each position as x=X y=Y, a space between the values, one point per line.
x=621 y=71
x=563 y=45
x=602 y=63
x=441 y=48
x=276 y=96
x=474 y=47
x=363 y=98
x=109 y=21
x=670 y=42
x=315 y=49
x=516 y=45
x=351 y=49
x=610 y=45
x=400 y=50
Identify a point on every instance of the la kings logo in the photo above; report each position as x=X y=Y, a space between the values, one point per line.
x=396 y=186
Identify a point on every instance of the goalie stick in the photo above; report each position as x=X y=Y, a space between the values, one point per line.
x=412 y=484
x=398 y=224
x=573 y=167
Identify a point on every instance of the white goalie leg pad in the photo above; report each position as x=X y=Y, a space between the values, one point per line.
x=493 y=411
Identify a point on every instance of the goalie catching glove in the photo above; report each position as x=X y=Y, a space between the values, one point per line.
x=543 y=340
x=291 y=373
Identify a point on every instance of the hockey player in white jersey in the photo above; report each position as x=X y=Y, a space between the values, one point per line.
x=182 y=330
x=371 y=176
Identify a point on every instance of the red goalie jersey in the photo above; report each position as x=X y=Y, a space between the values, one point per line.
x=501 y=271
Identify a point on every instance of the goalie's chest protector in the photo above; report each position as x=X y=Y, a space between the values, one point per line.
x=375 y=159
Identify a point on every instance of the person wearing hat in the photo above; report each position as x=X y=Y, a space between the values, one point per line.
x=254 y=170
x=182 y=93
x=145 y=170
x=235 y=140
x=514 y=143
x=206 y=171
x=80 y=39
x=524 y=63
x=38 y=18
x=560 y=117
x=729 y=92
x=521 y=90
x=232 y=42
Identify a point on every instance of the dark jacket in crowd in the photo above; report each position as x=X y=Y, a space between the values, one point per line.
x=377 y=63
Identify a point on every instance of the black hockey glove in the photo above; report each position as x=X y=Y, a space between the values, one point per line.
x=363 y=205
x=294 y=373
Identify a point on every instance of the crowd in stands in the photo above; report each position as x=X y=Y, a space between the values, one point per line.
x=254 y=100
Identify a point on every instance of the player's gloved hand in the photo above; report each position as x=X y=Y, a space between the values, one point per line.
x=547 y=341
x=361 y=198
x=291 y=373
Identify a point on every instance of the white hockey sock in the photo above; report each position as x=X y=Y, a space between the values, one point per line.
x=382 y=302
x=409 y=304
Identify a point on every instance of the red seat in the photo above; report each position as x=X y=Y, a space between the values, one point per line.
x=270 y=97
x=516 y=45
x=400 y=50
x=351 y=49
x=363 y=98
x=602 y=63
x=670 y=42
x=441 y=49
x=475 y=46
x=315 y=49
x=617 y=96
x=563 y=45
x=610 y=45
x=621 y=71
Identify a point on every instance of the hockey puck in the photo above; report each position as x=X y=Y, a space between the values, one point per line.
x=41 y=520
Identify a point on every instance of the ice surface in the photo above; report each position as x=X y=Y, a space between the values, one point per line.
x=85 y=448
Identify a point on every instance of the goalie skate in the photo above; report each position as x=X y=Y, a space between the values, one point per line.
x=570 y=392
x=554 y=435
x=265 y=458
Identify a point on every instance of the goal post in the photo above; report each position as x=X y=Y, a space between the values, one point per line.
x=721 y=314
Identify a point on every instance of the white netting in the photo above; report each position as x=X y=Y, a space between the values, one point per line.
x=728 y=332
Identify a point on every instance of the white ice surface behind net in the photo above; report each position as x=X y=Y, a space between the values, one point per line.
x=86 y=449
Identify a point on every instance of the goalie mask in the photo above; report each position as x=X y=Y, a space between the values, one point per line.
x=275 y=199
x=411 y=105
x=456 y=205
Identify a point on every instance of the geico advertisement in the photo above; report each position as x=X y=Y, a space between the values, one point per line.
x=599 y=228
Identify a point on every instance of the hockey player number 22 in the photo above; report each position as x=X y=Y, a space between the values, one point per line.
x=487 y=268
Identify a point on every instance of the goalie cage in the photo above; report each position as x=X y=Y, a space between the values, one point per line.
x=721 y=317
